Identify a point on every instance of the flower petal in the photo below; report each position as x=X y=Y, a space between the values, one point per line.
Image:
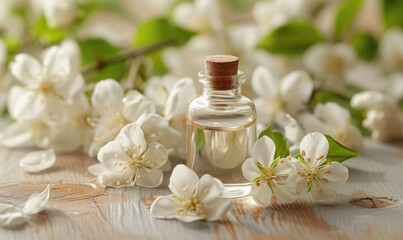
x=117 y=179
x=97 y=169
x=315 y=146
x=282 y=195
x=112 y=156
x=292 y=130
x=334 y=172
x=17 y=135
x=262 y=194
x=216 y=208
x=181 y=93
x=321 y=192
x=265 y=114
x=73 y=85
x=332 y=113
x=311 y=123
x=150 y=178
x=188 y=218
x=38 y=161
x=136 y=105
x=107 y=97
x=25 y=105
x=296 y=89
x=11 y=216
x=296 y=184
x=209 y=188
x=37 y=202
x=263 y=151
x=156 y=155
x=183 y=181
x=157 y=129
x=56 y=62
x=264 y=82
x=250 y=170
x=165 y=207
x=131 y=136
x=26 y=69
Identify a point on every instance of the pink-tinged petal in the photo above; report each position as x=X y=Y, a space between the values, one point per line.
x=117 y=179
x=314 y=148
x=263 y=151
x=156 y=155
x=216 y=208
x=25 y=105
x=250 y=170
x=262 y=194
x=113 y=156
x=333 y=114
x=37 y=202
x=264 y=82
x=321 y=192
x=165 y=207
x=26 y=69
x=295 y=183
x=149 y=178
x=107 y=97
x=209 y=188
x=334 y=172
x=296 y=89
x=135 y=105
x=183 y=181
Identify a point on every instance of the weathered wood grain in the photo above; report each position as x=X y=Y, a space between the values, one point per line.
x=80 y=209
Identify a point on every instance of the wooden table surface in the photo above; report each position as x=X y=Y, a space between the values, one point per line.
x=368 y=205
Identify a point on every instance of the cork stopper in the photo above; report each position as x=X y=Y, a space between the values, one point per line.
x=220 y=68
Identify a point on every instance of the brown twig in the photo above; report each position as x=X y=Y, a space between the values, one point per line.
x=100 y=64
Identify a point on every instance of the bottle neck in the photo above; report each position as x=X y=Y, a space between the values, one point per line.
x=222 y=88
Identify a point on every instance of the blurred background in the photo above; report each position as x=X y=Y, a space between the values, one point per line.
x=346 y=46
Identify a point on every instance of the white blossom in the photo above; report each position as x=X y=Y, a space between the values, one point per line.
x=267 y=174
x=130 y=161
x=312 y=173
x=59 y=13
x=277 y=97
x=193 y=199
x=330 y=118
x=329 y=61
x=48 y=87
x=38 y=161
x=382 y=114
x=157 y=89
x=391 y=50
x=113 y=111
x=12 y=216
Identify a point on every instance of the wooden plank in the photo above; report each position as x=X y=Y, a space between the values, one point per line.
x=80 y=209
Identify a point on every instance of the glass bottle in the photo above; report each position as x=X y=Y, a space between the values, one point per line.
x=221 y=126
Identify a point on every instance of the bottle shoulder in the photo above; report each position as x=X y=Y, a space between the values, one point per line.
x=240 y=111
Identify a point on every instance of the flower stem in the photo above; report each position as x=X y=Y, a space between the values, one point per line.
x=102 y=63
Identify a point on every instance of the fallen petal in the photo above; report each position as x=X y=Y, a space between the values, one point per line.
x=36 y=202
x=38 y=161
x=11 y=216
x=97 y=169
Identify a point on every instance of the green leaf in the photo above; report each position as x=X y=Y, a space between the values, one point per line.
x=338 y=152
x=93 y=50
x=200 y=140
x=292 y=38
x=365 y=45
x=393 y=13
x=345 y=16
x=279 y=140
x=357 y=116
x=46 y=34
x=158 y=30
